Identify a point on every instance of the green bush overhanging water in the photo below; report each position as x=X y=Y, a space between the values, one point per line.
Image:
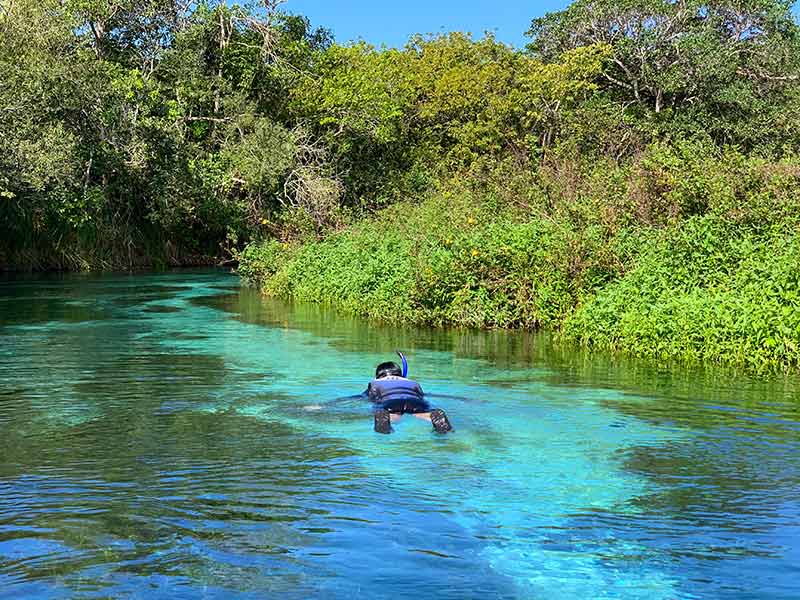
x=717 y=284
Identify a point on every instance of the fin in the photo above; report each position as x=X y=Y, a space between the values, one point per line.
x=405 y=363
x=383 y=421
x=441 y=424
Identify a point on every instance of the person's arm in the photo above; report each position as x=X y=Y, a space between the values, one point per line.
x=449 y=397
x=361 y=396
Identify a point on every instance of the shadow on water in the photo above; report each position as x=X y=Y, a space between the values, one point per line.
x=520 y=357
x=348 y=333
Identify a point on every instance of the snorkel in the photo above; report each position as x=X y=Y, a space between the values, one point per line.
x=405 y=362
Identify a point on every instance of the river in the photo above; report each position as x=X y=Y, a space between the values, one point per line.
x=172 y=435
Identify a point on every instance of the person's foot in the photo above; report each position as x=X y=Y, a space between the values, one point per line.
x=441 y=424
x=383 y=421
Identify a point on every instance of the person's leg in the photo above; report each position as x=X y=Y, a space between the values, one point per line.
x=438 y=418
x=441 y=424
x=383 y=421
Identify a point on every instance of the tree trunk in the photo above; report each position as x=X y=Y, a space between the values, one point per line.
x=99 y=33
x=219 y=59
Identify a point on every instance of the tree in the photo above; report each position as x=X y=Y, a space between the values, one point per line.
x=127 y=125
x=681 y=53
x=397 y=119
x=37 y=150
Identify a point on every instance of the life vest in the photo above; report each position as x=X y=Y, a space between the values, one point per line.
x=391 y=388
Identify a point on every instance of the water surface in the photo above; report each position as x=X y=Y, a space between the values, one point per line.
x=172 y=436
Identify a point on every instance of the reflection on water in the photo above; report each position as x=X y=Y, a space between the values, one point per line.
x=168 y=435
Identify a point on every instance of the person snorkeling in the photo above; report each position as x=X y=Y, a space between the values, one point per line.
x=394 y=395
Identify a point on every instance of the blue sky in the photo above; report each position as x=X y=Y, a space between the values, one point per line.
x=393 y=22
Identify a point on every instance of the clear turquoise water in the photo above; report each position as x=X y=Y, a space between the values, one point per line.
x=170 y=436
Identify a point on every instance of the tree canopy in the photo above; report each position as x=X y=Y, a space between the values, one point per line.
x=723 y=63
x=136 y=131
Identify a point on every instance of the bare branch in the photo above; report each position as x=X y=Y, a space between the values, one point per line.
x=211 y=119
x=765 y=76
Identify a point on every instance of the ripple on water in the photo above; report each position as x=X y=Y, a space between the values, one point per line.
x=153 y=444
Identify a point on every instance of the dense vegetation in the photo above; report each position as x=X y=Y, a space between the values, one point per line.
x=630 y=179
x=721 y=285
x=141 y=132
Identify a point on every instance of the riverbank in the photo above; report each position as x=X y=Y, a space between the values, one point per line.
x=622 y=183
x=717 y=285
x=85 y=259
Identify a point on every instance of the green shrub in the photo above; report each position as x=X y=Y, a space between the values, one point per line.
x=706 y=291
x=578 y=249
x=450 y=260
x=258 y=262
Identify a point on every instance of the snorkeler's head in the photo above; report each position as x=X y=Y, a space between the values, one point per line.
x=386 y=369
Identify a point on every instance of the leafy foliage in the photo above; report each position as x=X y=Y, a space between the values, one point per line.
x=724 y=65
x=140 y=132
x=688 y=253
x=396 y=120
x=454 y=259
x=703 y=292
x=629 y=179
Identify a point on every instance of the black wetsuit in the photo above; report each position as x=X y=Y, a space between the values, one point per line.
x=397 y=395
